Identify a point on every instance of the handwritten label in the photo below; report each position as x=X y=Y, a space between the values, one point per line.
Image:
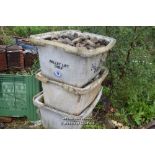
x=59 y=65
x=95 y=68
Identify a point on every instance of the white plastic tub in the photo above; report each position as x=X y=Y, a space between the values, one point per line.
x=72 y=100
x=55 y=119
x=65 y=63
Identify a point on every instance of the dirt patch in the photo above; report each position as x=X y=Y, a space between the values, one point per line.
x=22 y=123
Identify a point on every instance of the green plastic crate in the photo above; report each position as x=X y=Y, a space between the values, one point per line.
x=16 y=95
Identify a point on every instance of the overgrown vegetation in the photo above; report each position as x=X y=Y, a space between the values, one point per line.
x=131 y=83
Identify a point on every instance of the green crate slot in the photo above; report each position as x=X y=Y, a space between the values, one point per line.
x=16 y=95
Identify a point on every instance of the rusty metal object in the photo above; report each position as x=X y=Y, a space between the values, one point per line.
x=3 y=61
x=15 y=57
x=29 y=59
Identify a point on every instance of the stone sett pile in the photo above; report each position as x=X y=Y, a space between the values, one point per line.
x=79 y=40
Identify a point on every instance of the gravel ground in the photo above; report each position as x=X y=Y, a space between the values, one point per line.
x=100 y=119
x=94 y=123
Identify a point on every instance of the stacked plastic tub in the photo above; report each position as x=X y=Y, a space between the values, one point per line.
x=72 y=71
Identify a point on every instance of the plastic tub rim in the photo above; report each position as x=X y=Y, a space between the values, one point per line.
x=39 y=40
x=74 y=89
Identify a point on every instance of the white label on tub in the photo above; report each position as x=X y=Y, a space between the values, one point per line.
x=57 y=73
